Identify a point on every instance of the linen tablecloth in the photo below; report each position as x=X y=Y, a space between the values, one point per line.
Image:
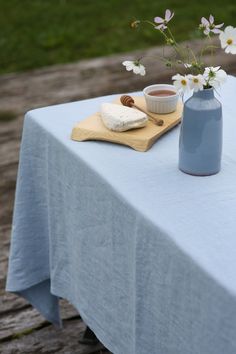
x=146 y=253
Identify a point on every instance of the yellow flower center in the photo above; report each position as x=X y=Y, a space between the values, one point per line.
x=195 y=80
x=184 y=82
x=229 y=41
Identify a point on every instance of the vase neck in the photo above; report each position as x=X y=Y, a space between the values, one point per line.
x=205 y=94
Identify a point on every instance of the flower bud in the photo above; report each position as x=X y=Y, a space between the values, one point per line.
x=170 y=41
x=135 y=24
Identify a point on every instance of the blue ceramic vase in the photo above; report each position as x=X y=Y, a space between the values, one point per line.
x=200 y=144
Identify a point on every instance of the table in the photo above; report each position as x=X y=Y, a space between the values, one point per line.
x=146 y=253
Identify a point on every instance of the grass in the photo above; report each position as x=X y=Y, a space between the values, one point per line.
x=36 y=33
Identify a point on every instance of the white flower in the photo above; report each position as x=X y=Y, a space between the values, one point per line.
x=196 y=82
x=215 y=76
x=228 y=39
x=135 y=66
x=208 y=25
x=162 y=22
x=181 y=82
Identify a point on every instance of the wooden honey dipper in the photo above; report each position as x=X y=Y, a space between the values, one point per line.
x=129 y=102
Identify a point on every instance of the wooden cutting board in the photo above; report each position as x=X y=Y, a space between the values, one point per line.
x=141 y=139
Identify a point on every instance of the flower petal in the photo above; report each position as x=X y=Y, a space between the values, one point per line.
x=223 y=36
x=223 y=40
x=142 y=70
x=158 y=20
x=136 y=69
x=216 y=30
x=176 y=77
x=229 y=29
x=221 y=75
x=211 y=19
x=161 y=27
x=126 y=62
x=168 y=15
x=230 y=49
x=220 y=25
x=204 y=21
x=233 y=49
x=172 y=15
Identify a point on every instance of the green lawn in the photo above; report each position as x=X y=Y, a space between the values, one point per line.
x=36 y=33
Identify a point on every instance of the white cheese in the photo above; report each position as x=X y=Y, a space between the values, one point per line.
x=121 y=118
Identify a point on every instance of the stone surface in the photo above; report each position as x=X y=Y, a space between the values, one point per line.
x=22 y=329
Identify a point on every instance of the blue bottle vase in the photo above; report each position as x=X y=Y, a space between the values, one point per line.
x=200 y=144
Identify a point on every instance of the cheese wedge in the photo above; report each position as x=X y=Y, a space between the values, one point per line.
x=120 y=118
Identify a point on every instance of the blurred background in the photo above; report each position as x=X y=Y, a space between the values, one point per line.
x=37 y=33
x=55 y=51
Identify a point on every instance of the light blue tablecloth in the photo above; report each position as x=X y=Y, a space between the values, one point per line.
x=146 y=253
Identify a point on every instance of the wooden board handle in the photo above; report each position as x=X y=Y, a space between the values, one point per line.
x=155 y=120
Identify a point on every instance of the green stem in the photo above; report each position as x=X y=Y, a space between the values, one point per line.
x=212 y=51
x=179 y=49
x=170 y=33
x=154 y=25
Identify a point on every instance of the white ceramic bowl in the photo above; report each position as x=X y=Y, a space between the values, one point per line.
x=161 y=105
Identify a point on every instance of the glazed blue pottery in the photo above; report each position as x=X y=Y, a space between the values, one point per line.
x=200 y=144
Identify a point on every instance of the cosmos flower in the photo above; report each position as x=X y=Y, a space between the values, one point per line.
x=135 y=66
x=181 y=82
x=228 y=39
x=208 y=25
x=214 y=76
x=162 y=22
x=196 y=82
